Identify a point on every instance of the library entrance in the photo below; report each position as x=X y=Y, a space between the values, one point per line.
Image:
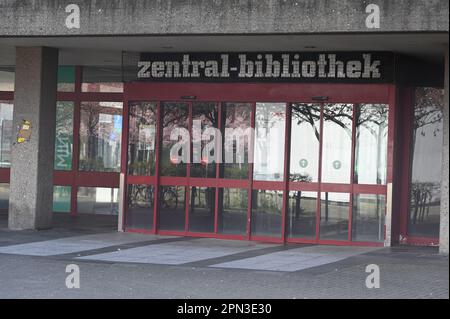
x=287 y=162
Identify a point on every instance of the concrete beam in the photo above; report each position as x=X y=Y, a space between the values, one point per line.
x=156 y=17
x=31 y=179
x=443 y=237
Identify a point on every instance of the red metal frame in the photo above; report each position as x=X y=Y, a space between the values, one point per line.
x=253 y=93
x=75 y=178
x=4 y=172
x=406 y=127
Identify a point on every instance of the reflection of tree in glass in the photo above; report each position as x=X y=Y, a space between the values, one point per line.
x=340 y=114
x=374 y=119
x=141 y=157
x=307 y=113
x=235 y=116
x=428 y=111
x=93 y=134
x=174 y=115
x=207 y=114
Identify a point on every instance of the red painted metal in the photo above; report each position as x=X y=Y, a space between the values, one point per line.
x=158 y=154
x=4 y=175
x=405 y=167
x=250 y=177
x=352 y=174
x=343 y=93
x=74 y=177
x=216 y=204
x=252 y=92
x=319 y=195
x=287 y=148
x=5 y=172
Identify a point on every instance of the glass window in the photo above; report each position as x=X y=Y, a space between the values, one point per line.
x=205 y=116
x=301 y=214
x=269 y=141
x=305 y=142
x=334 y=211
x=100 y=136
x=6 y=132
x=105 y=79
x=233 y=209
x=201 y=209
x=98 y=200
x=61 y=199
x=4 y=196
x=371 y=143
x=236 y=133
x=66 y=79
x=7 y=78
x=175 y=120
x=337 y=143
x=172 y=208
x=141 y=201
x=64 y=136
x=267 y=206
x=427 y=140
x=141 y=138
x=368 y=217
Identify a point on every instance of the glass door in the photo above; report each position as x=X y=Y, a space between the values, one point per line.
x=141 y=166
x=199 y=164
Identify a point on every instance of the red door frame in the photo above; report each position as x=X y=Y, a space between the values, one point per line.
x=253 y=93
x=4 y=172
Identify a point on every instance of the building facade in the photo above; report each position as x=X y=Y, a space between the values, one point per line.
x=285 y=121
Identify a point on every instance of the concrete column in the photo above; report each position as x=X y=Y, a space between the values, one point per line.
x=31 y=182
x=443 y=237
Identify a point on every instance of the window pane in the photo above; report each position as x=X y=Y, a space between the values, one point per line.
x=337 y=143
x=427 y=140
x=100 y=136
x=267 y=208
x=172 y=208
x=66 y=79
x=61 y=199
x=175 y=116
x=206 y=115
x=64 y=136
x=371 y=143
x=141 y=201
x=237 y=122
x=202 y=207
x=269 y=141
x=141 y=138
x=6 y=132
x=4 y=196
x=301 y=215
x=334 y=216
x=97 y=200
x=7 y=78
x=232 y=216
x=305 y=142
x=107 y=79
x=368 y=217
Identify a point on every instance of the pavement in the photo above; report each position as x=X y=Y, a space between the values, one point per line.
x=125 y=265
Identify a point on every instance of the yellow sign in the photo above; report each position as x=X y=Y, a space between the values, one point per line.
x=24 y=134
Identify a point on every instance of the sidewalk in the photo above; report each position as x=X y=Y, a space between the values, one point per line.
x=123 y=265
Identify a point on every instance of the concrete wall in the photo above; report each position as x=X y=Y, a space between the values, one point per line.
x=31 y=184
x=443 y=240
x=139 y=17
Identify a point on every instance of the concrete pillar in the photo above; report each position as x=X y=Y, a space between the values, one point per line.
x=443 y=236
x=31 y=181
